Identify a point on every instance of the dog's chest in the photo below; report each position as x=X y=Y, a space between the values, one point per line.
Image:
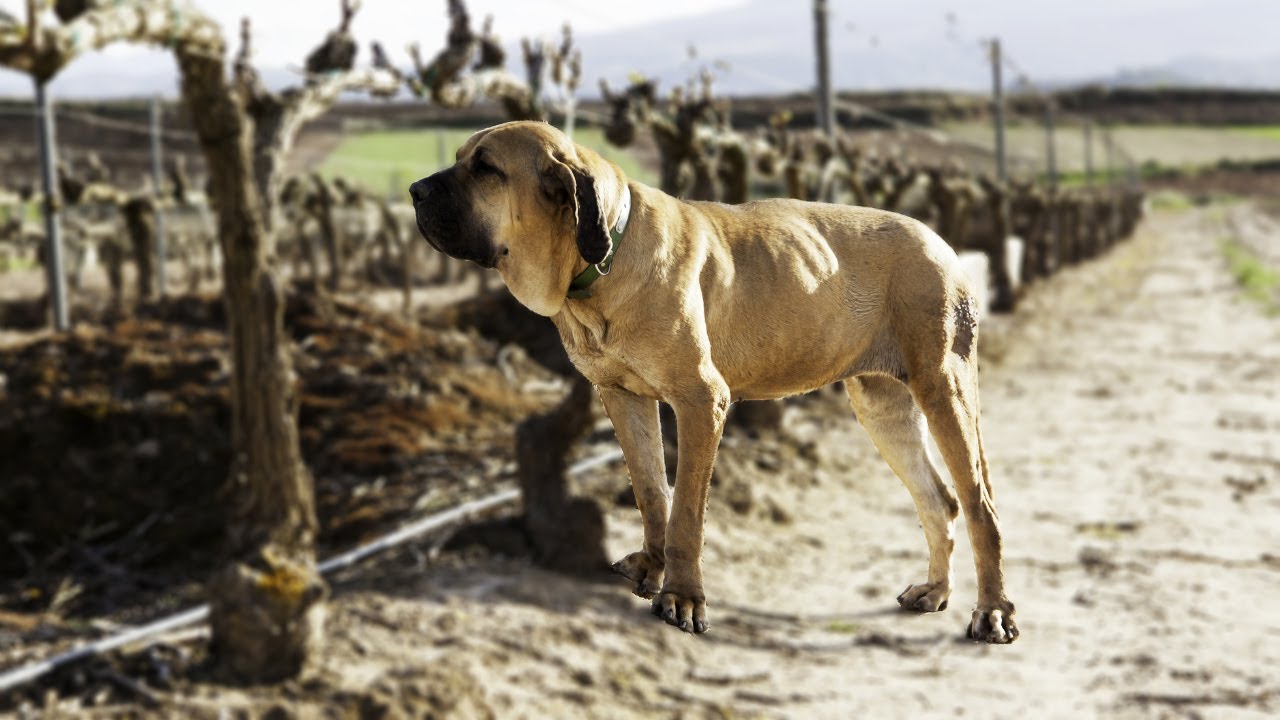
x=611 y=370
x=605 y=361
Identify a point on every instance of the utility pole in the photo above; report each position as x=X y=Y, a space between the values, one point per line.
x=1088 y=154
x=52 y=219
x=157 y=178
x=826 y=119
x=1050 y=146
x=997 y=100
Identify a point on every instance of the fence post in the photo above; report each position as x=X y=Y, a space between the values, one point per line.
x=157 y=178
x=997 y=100
x=826 y=106
x=1108 y=146
x=570 y=115
x=52 y=219
x=1051 y=146
x=398 y=189
x=1088 y=154
x=1051 y=253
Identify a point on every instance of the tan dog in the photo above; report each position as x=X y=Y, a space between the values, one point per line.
x=706 y=304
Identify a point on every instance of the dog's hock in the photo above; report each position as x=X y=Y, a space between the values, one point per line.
x=966 y=319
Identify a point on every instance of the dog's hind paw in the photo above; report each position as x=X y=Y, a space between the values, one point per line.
x=644 y=571
x=993 y=625
x=925 y=597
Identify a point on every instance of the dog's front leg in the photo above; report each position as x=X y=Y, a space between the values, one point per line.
x=635 y=422
x=700 y=418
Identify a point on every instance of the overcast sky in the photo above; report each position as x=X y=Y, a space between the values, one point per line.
x=286 y=30
x=877 y=43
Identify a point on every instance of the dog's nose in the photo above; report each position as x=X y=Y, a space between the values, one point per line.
x=419 y=191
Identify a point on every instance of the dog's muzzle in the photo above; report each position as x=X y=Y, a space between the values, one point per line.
x=419 y=192
x=447 y=224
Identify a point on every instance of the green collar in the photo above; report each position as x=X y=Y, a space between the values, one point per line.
x=579 y=288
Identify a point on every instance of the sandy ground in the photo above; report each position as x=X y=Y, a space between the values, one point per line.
x=1132 y=422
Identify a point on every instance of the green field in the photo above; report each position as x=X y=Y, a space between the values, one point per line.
x=1266 y=131
x=388 y=159
x=1170 y=146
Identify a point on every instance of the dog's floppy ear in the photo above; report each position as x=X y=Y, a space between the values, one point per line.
x=575 y=189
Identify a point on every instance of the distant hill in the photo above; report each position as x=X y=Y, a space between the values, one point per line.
x=1201 y=72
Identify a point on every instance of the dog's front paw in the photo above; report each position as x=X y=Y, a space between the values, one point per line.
x=685 y=609
x=993 y=624
x=641 y=569
x=925 y=597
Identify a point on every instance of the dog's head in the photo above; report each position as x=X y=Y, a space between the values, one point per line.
x=524 y=199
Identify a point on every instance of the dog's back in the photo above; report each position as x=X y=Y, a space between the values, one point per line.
x=798 y=295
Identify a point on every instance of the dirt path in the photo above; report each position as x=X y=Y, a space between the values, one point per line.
x=1133 y=426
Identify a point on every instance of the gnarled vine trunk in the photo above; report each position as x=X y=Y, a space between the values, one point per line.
x=265 y=604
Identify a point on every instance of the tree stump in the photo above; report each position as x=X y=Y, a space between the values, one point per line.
x=567 y=533
x=267 y=615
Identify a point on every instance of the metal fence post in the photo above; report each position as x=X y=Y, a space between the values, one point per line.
x=1088 y=154
x=52 y=220
x=997 y=99
x=1051 y=145
x=397 y=186
x=157 y=178
x=1109 y=147
x=826 y=106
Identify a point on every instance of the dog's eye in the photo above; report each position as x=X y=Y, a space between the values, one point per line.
x=484 y=167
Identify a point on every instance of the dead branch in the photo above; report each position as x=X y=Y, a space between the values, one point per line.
x=338 y=52
x=445 y=79
x=44 y=51
x=492 y=56
x=279 y=116
x=68 y=10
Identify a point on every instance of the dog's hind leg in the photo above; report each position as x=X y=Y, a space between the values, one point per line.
x=897 y=427
x=948 y=394
x=635 y=422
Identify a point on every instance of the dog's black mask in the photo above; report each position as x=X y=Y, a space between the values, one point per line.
x=446 y=220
